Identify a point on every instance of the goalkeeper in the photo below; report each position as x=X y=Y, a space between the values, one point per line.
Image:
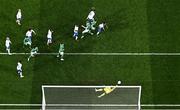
x=107 y=90
x=61 y=52
x=33 y=52
x=27 y=42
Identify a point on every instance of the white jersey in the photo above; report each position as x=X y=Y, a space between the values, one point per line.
x=29 y=33
x=76 y=28
x=91 y=15
x=49 y=35
x=8 y=42
x=19 y=66
x=19 y=15
x=101 y=26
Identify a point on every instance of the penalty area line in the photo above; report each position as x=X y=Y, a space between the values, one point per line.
x=103 y=54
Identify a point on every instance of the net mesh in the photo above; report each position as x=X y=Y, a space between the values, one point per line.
x=87 y=98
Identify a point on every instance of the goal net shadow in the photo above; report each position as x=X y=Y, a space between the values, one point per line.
x=86 y=98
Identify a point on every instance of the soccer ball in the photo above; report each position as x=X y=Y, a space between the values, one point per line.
x=119 y=82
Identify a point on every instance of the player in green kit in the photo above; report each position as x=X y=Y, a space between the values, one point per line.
x=27 y=41
x=33 y=52
x=87 y=29
x=61 y=52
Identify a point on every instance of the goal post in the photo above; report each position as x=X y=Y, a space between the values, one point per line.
x=85 y=97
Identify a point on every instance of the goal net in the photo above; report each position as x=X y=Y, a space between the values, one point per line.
x=85 y=97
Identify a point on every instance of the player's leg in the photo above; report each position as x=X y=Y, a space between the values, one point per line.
x=90 y=32
x=8 y=50
x=62 y=56
x=48 y=41
x=97 y=90
x=20 y=73
x=18 y=21
x=75 y=35
x=99 y=31
x=21 y=76
x=29 y=43
x=84 y=32
x=103 y=94
x=93 y=24
x=31 y=55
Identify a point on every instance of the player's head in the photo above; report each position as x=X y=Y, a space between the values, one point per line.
x=50 y=30
x=19 y=10
x=93 y=8
x=29 y=29
x=61 y=45
x=19 y=61
x=36 y=48
x=7 y=38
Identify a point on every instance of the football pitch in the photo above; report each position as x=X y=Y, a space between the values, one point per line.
x=134 y=26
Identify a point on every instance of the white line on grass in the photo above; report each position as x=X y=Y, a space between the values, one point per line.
x=143 y=105
x=104 y=54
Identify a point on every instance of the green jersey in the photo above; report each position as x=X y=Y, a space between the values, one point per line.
x=61 y=48
x=88 y=26
x=34 y=49
x=27 y=41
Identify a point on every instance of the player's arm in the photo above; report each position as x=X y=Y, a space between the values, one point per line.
x=34 y=32
x=83 y=26
x=114 y=87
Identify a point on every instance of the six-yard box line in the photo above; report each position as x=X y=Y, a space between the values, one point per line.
x=103 y=54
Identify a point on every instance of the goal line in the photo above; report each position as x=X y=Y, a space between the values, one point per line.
x=103 y=54
x=142 y=105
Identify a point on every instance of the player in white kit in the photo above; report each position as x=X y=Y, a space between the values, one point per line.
x=101 y=28
x=7 y=44
x=19 y=69
x=76 y=29
x=19 y=17
x=49 y=37
x=91 y=15
x=29 y=34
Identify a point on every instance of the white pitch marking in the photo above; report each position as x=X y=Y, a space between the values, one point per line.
x=103 y=54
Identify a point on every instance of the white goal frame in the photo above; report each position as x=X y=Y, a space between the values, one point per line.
x=85 y=105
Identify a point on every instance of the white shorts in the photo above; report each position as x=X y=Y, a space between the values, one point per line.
x=7 y=47
x=19 y=19
x=61 y=53
x=19 y=71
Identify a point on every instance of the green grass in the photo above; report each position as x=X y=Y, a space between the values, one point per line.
x=134 y=26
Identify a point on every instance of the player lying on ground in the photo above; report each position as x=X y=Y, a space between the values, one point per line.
x=61 y=52
x=29 y=34
x=27 y=42
x=49 y=37
x=101 y=28
x=107 y=90
x=19 y=69
x=76 y=29
x=33 y=52
x=7 y=44
x=87 y=29
x=19 y=17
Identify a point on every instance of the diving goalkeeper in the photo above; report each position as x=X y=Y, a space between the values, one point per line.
x=107 y=90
